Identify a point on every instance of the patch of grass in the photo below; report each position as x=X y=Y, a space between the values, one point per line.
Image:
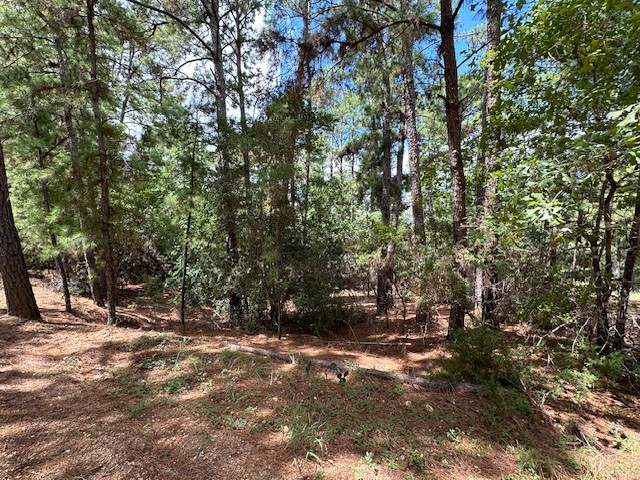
x=129 y=382
x=72 y=362
x=150 y=340
x=213 y=412
x=149 y=363
x=205 y=440
x=454 y=435
x=236 y=363
x=179 y=384
x=532 y=464
x=304 y=434
x=137 y=408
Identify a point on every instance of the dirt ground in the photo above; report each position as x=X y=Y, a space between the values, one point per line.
x=81 y=400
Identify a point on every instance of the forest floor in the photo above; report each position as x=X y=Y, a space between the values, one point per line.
x=81 y=400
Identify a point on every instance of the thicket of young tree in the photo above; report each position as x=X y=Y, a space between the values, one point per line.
x=254 y=155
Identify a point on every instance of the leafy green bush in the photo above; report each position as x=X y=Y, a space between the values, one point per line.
x=484 y=356
x=617 y=367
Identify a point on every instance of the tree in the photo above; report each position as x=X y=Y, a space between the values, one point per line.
x=15 y=278
x=573 y=167
x=488 y=276
x=104 y=170
x=411 y=128
x=456 y=164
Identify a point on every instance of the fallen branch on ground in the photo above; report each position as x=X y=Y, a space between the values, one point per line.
x=377 y=344
x=398 y=377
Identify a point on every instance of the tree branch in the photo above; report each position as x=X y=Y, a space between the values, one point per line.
x=179 y=21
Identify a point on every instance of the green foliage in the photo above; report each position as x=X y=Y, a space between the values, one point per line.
x=304 y=435
x=485 y=356
x=622 y=368
x=454 y=435
x=147 y=341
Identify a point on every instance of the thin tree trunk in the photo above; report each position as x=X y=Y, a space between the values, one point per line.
x=489 y=275
x=229 y=209
x=242 y=106
x=397 y=206
x=627 y=276
x=417 y=203
x=44 y=190
x=185 y=253
x=104 y=171
x=456 y=165
x=385 y=198
x=86 y=202
x=15 y=278
x=384 y=298
x=602 y=279
x=440 y=385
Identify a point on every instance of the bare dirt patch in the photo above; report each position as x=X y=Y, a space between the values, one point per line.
x=82 y=400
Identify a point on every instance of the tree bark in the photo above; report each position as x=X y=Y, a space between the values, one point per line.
x=44 y=190
x=489 y=275
x=104 y=170
x=384 y=295
x=399 y=187
x=86 y=201
x=228 y=201
x=187 y=238
x=417 y=203
x=15 y=278
x=627 y=276
x=456 y=164
x=601 y=279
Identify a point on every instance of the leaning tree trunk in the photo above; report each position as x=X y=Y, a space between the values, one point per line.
x=456 y=165
x=104 y=170
x=15 y=277
x=627 y=276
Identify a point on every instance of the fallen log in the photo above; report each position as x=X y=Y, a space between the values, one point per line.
x=439 y=385
x=377 y=344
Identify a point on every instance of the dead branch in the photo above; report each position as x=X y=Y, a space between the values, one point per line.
x=377 y=344
x=397 y=377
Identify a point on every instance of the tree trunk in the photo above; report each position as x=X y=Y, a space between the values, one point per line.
x=86 y=202
x=456 y=165
x=228 y=201
x=385 y=150
x=15 y=278
x=246 y=165
x=185 y=253
x=417 y=203
x=602 y=279
x=397 y=203
x=384 y=295
x=627 y=276
x=44 y=190
x=489 y=275
x=104 y=170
